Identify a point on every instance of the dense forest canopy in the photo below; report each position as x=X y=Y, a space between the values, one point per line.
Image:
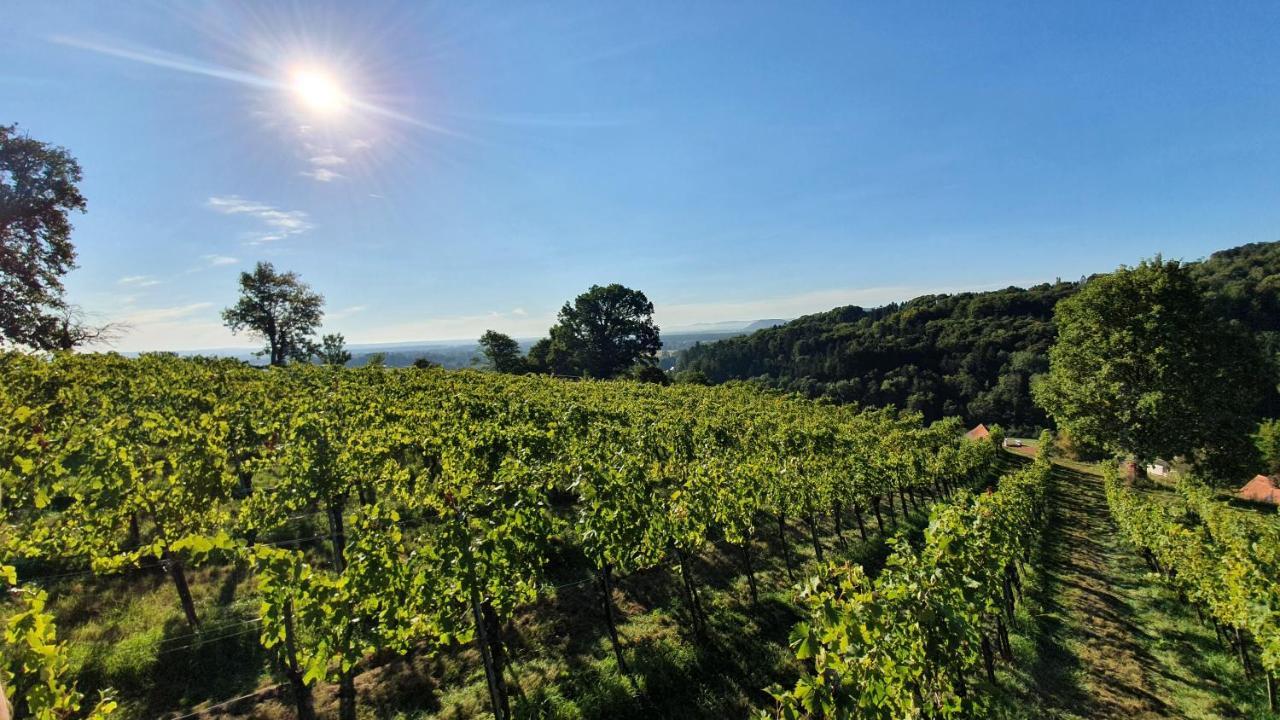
x=969 y=354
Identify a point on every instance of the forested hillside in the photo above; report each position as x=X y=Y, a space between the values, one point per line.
x=970 y=354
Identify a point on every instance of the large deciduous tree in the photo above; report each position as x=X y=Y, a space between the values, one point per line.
x=1141 y=367
x=38 y=193
x=502 y=352
x=279 y=308
x=602 y=333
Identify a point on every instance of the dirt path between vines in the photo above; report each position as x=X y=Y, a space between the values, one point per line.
x=1092 y=660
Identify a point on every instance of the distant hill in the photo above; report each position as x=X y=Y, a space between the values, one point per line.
x=722 y=327
x=679 y=339
x=970 y=354
x=453 y=354
x=763 y=324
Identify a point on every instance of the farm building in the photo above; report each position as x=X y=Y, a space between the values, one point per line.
x=1260 y=489
x=1159 y=468
x=979 y=432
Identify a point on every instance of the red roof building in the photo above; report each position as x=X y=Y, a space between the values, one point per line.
x=1261 y=489
x=980 y=432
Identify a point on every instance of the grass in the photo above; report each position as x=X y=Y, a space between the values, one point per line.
x=1102 y=639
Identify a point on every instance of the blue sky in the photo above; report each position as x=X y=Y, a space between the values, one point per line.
x=487 y=162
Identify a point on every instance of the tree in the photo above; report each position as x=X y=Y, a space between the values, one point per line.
x=1267 y=440
x=38 y=193
x=605 y=331
x=280 y=309
x=68 y=329
x=1141 y=368
x=502 y=352
x=692 y=377
x=333 y=350
x=554 y=355
x=650 y=374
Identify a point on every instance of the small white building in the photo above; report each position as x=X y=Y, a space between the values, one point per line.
x=1159 y=468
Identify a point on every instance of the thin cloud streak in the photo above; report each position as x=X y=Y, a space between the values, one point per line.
x=328 y=159
x=322 y=175
x=165 y=314
x=192 y=326
x=280 y=224
x=345 y=313
x=138 y=281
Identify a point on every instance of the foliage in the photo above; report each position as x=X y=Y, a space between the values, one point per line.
x=971 y=354
x=903 y=645
x=650 y=374
x=502 y=352
x=438 y=487
x=1223 y=561
x=692 y=377
x=1267 y=440
x=38 y=193
x=279 y=308
x=333 y=350
x=34 y=669
x=1072 y=448
x=601 y=334
x=996 y=435
x=1141 y=368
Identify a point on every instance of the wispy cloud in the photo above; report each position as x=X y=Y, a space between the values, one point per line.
x=322 y=160
x=192 y=326
x=328 y=159
x=322 y=174
x=345 y=312
x=275 y=224
x=219 y=260
x=165 y=314
x=138 y=281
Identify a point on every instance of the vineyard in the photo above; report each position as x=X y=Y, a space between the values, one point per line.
x=1225 y=563
x=447 y=501
x=342 y=521
x=907 y=644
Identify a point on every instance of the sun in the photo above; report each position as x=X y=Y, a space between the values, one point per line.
x=317 y=90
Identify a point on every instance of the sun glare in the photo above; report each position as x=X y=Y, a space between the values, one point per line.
x=318 y=90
